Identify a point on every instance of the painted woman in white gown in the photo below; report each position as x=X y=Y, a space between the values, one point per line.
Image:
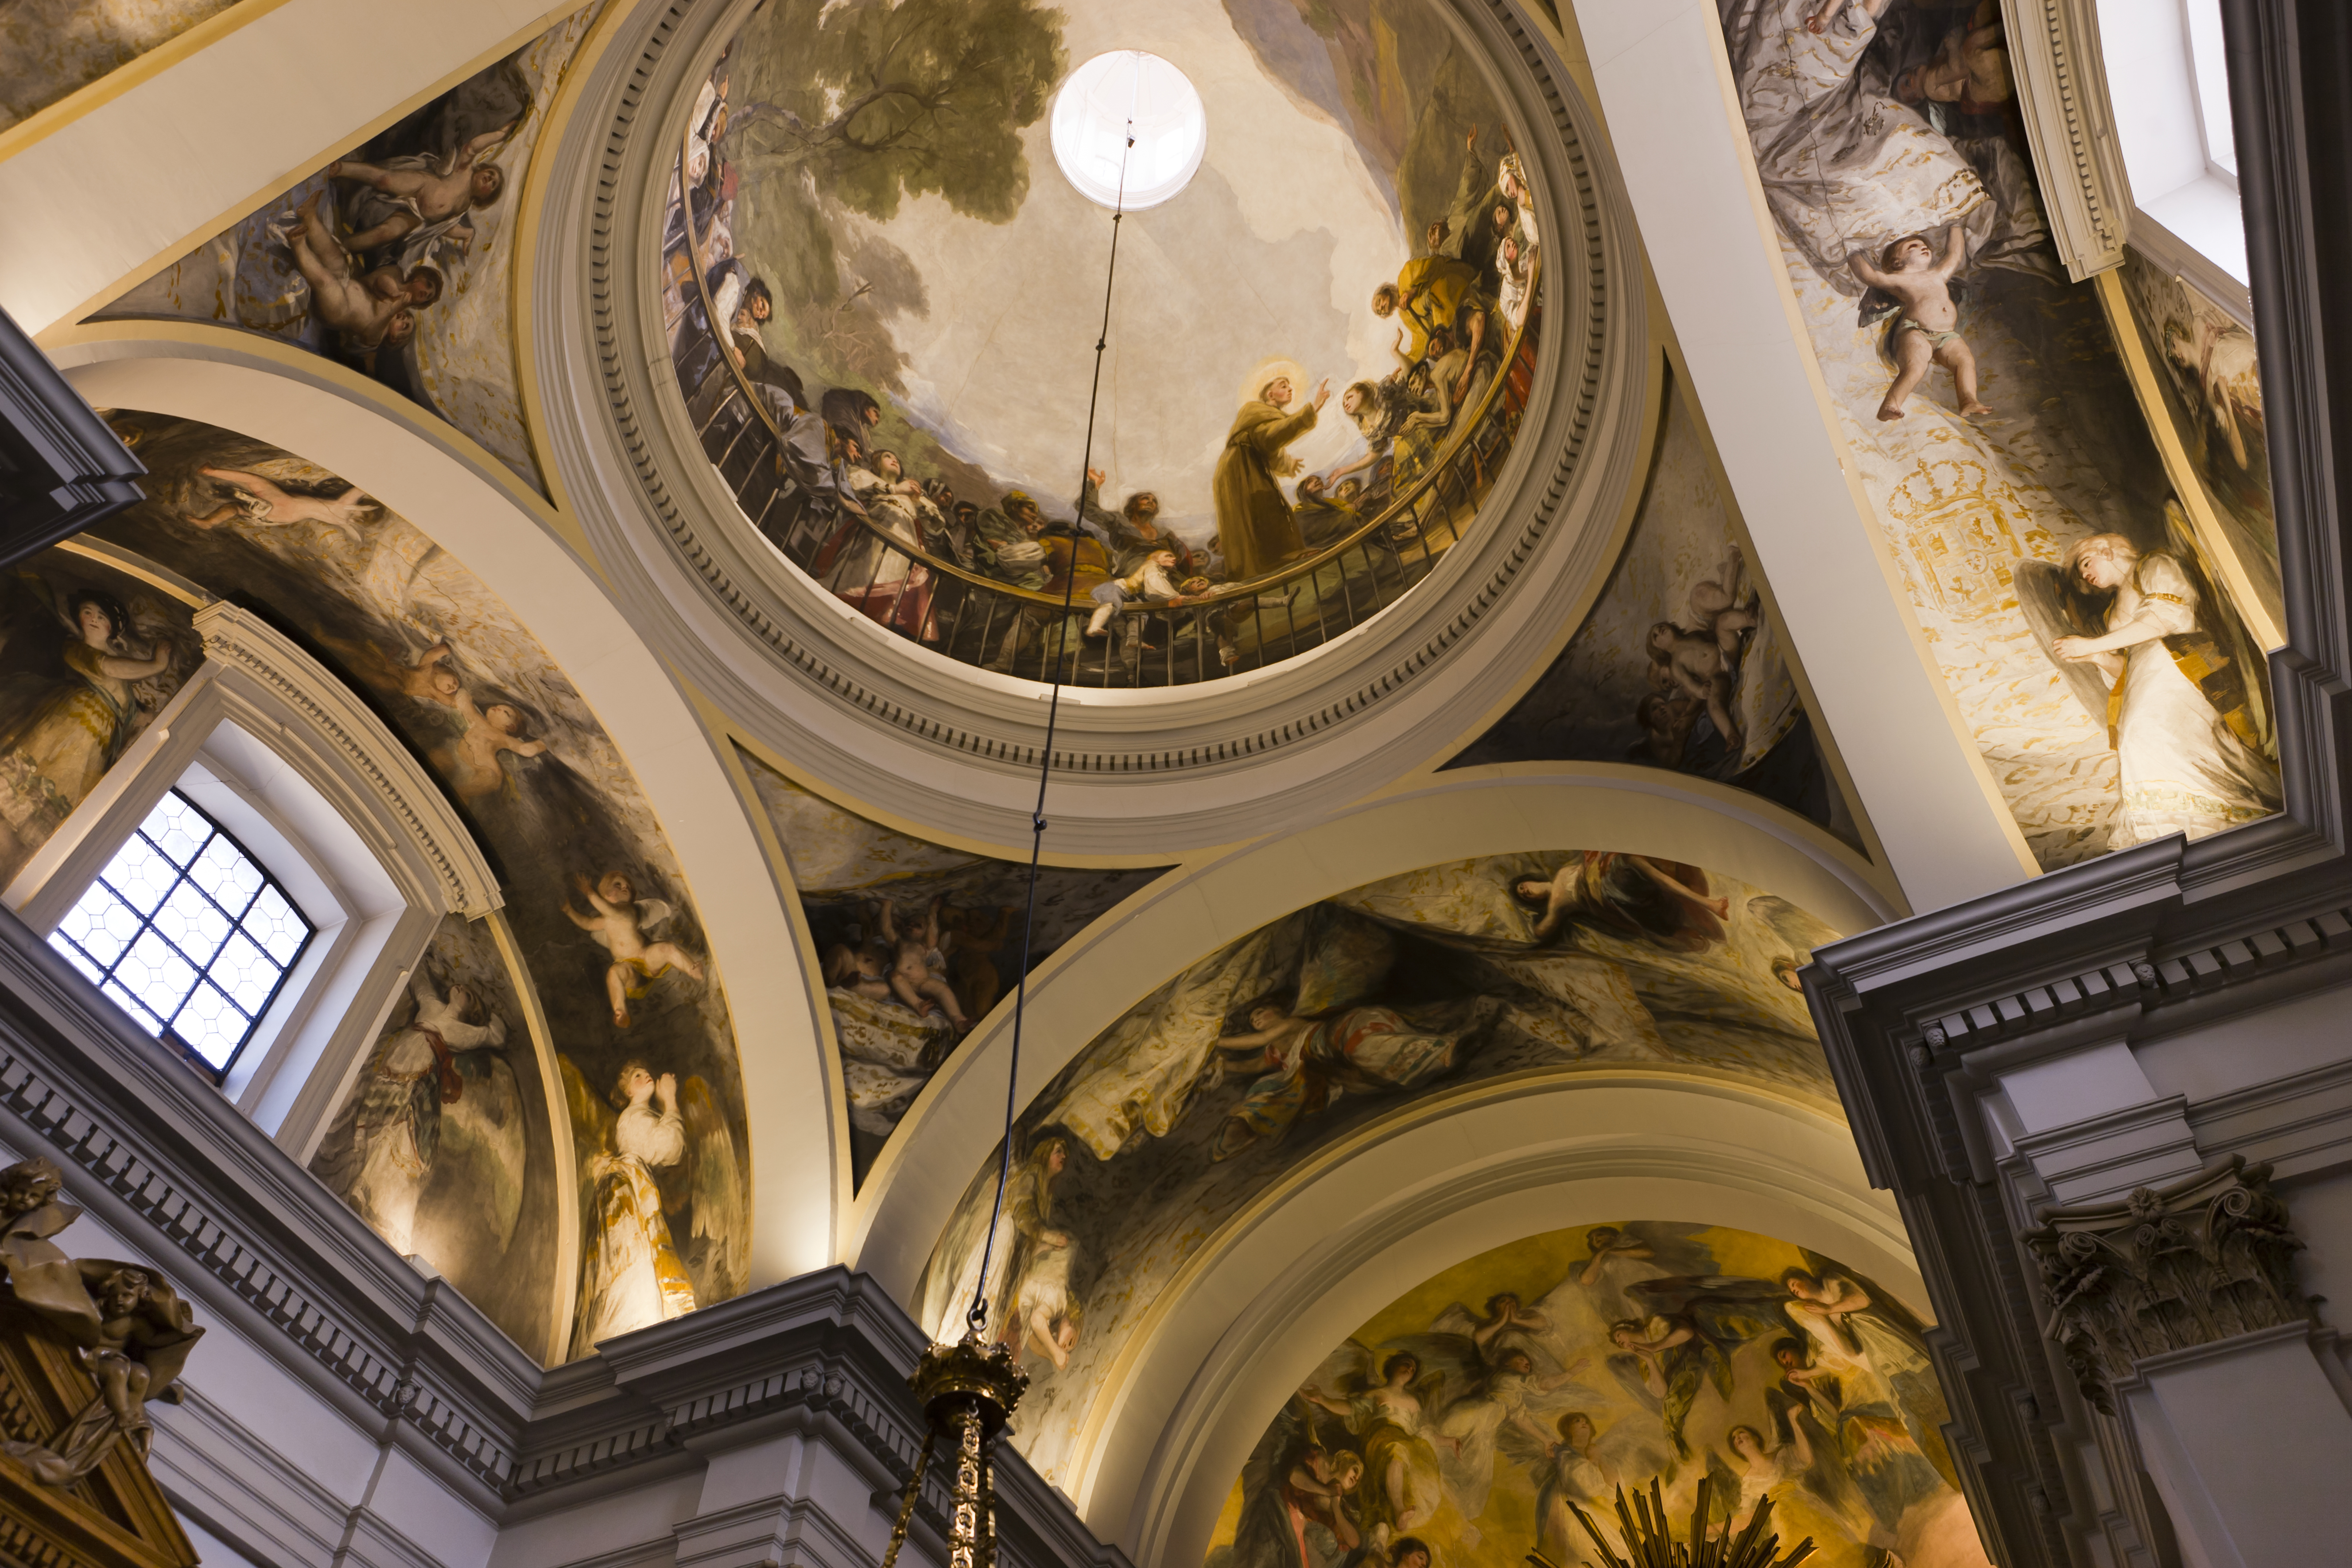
x=2176 y=706
x=634 y=1275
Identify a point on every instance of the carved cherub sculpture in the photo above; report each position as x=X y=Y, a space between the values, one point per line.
x=127 y=1327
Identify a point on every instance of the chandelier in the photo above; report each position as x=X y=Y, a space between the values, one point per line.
x=968 y=1388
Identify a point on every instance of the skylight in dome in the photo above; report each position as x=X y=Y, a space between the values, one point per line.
x=1092 y=114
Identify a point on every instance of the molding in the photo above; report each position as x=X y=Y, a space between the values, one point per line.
x=2166 y=251
x=2061 y=89
x=265 y=1250
x=405 y=795
x=62 y=469
x=933 y=739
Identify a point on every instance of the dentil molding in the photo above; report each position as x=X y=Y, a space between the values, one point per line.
x=938 y=741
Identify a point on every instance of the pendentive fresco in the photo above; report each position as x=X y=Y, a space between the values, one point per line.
x=398 y=258
x=1680 y=664
x=2091 y=628
x=1469 y=1420
x=882 y=300
x=2212 y=391
x=49 y=48
x=613 y=949
x=1235 y=1071
x=917 y=942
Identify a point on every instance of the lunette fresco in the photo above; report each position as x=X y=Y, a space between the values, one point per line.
x=1233 y=1071
x=613 y=949
x=1466 y=1423
x=89 y=655
x=2080 y=616
x=444 y=1143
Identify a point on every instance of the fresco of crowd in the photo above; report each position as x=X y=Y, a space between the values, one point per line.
x=1455 y=306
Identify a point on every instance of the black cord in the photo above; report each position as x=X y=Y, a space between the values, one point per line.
x=976 y=1317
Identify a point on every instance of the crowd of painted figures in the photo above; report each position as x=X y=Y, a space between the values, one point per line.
x=1809 y=1387
x=850 y=514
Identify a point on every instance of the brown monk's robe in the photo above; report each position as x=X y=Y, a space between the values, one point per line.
x=1254 y=518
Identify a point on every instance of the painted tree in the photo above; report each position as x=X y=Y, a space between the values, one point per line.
x=926 y=97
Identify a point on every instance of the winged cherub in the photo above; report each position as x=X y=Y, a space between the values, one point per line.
x=620 y=920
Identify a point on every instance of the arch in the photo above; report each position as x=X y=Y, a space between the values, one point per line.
x=953 y=1127
x=460 y=497
x=1413 y=1194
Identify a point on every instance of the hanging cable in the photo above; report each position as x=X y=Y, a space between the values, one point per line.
x=976 y=1318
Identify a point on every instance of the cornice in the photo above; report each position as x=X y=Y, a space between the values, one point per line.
x=2062 y=83
x=941 y=742
x=157 y=1155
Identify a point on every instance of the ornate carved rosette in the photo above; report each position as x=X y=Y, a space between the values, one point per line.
x=2202 y=1259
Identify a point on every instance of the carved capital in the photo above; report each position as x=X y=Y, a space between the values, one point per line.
x=2204 y=1259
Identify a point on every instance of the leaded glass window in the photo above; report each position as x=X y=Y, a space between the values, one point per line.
x=187 y=934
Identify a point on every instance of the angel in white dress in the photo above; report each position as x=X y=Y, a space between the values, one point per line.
x=620 y=920
x=666 y=1174
x=2180 y=708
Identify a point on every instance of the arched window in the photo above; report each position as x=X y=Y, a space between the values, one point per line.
x=188 y=933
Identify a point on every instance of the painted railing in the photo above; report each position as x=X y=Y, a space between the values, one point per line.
x=966 y=614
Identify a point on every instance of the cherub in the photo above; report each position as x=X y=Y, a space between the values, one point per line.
x=363 y=309
x=265 y=505
x=858 y=970
x=471 y=760
x=1696 y=665
x=919 y=968
x=427 y=192
x=1929 y=330
x=619 y=922
x=1724 y=605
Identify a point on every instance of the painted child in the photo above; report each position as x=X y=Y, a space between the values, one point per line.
x=919 y=968
x=1929 y=329
x=619 y=920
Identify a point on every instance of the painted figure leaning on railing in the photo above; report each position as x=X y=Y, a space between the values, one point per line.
x=986 y=585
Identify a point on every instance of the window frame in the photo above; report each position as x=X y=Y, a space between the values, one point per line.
x=353 y=829
x=290 y=972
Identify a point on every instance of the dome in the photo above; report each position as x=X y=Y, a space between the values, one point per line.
x=884 y=279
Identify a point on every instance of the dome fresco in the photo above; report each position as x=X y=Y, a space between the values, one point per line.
x=882 y=300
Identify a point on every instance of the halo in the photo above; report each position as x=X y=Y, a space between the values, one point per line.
x=1267 y=370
